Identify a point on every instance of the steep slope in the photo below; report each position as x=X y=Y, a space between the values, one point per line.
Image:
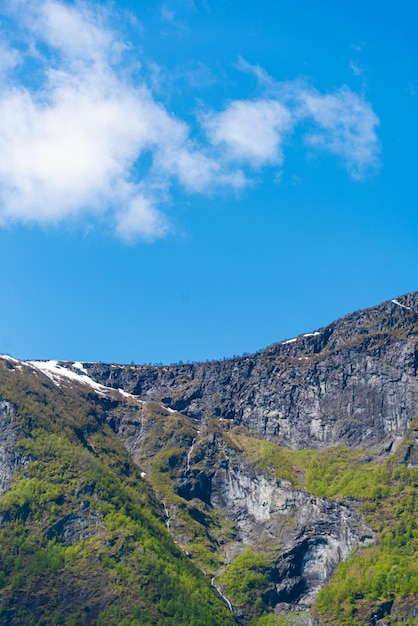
x=81 y=533
x=353 y=382
x=272 y=524
x=287 y=479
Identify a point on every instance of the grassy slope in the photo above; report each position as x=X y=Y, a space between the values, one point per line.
x=82 y=540
x=386 y=486
x=198 y=528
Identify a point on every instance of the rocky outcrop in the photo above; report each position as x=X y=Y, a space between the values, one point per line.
x=308 y=535
x=312 y=535
x=11 y=458
x=353 y=382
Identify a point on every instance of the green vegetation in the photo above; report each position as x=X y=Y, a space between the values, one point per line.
x=192 y=521
x=82 y=540
x=197 y=527
x=387 y=572
x=343 y=473
x=293 y=619
x=247 y=580
x=268 y=456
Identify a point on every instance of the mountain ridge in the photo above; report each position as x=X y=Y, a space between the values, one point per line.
x=284 y=476
x=292 y=382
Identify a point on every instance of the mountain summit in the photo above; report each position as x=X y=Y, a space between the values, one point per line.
x=353 y=382
x=274 y=488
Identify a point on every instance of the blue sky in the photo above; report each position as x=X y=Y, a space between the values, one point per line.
x=189 y=180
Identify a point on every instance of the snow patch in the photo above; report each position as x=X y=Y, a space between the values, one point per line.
x=56 y=372
x=79 y=366
x=6 y=357
x=401 y=305
x=61 y=371
x=131 y=396
x=314 y=334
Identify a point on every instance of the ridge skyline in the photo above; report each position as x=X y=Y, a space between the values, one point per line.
x=406 y=297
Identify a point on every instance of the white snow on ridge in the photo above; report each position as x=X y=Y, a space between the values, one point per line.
x=79 y=366
x=401 y=305
x=127 y=395
x=6 y=357
x=56 y=372
x=314 y=334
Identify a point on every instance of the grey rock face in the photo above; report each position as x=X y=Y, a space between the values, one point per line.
x=10 y=458
x=312 y=534
x=72 y=528
x=307 y=536
x=353 y=382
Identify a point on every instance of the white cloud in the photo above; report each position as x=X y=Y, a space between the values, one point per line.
x=9 y=59
x=255 y=70
x=254 y=131
x=73 y=133
x=356 y=68
x=167 y=15
x=345 y=125
x=68 y=153
x=75 y=32
x=140 y=219
x=251 y=130
x=72 y=144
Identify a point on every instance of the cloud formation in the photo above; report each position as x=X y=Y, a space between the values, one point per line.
x=73 y=139
x=255 y=132
x=252 y=131
x=344 y=125
x=72 y=144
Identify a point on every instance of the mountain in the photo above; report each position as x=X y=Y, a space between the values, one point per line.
x=274 y=488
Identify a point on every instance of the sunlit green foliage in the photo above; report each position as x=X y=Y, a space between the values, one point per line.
x=268 y=456
x=82 y=539
x=292 y=619
x=343 y=473
x=194 y=532
x=248 y=580
x=387 y=571
x=387 y=488
x=200 y=529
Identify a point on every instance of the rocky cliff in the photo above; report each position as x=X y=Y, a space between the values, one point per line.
x=288 y=477
x=353 y=382
x=10 y=459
